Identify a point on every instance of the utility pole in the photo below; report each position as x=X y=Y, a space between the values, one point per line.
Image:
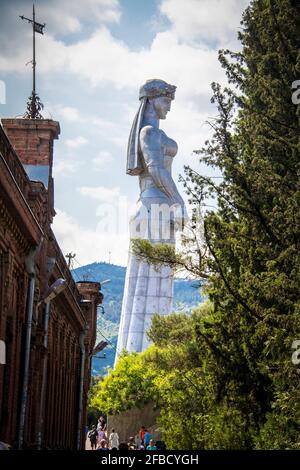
x=70 y=257
x=34 y=104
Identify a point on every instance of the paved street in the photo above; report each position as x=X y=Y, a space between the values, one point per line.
x=88 y=445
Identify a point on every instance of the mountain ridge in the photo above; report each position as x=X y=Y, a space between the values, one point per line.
x=186 y=296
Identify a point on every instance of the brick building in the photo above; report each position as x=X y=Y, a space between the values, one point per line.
x=46 y=339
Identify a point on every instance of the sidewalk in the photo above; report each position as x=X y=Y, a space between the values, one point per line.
x=88 y=444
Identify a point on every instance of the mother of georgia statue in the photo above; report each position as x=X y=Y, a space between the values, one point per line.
x=159 y=214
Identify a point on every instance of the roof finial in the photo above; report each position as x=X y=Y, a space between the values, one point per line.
x=34 y=104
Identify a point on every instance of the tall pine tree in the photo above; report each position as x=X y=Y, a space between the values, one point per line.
x=254 y=236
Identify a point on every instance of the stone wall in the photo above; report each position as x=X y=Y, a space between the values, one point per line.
x=128 y=423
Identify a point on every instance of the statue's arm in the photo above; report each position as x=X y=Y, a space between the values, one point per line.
x=150 y=142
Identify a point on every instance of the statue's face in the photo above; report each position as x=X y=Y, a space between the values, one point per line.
x=162 y=106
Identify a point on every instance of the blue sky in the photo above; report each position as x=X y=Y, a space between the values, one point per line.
x=92 y=59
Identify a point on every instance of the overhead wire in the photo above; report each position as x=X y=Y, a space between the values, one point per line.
x=89 y=273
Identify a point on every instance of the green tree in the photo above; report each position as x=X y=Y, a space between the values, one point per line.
x=253 y=236
x=177 y=374
x=128 y=385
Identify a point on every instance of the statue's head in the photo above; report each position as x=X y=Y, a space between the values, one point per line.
x=160 y=94
x=155 y=88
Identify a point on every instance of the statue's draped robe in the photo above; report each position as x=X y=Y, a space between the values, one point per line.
x=148 y=290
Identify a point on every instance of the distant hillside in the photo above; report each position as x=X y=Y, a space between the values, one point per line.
x=186 y=296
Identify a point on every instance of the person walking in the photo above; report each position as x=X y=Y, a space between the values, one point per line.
x=92 y=435
x=142 y=434
x=101 y=435
x=113 y=440
x=147 y=438
x=101 y=423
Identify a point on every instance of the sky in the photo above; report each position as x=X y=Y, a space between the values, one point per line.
x=91 y=61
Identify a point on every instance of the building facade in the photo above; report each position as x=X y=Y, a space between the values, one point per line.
x=47 y=336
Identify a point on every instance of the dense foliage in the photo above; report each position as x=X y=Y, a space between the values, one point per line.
x=176 y=374
x=228 y=378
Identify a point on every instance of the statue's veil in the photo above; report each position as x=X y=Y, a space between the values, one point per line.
x=134 y=157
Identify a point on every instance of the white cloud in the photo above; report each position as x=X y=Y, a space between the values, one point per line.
x=116 y=131
x=66 y=16
x=187 y=125
x=102 y=124
x=174 y=54
x=113 y=210
x=101 y=160
x=64 y=168
x=69 y=113
x=62 y=17
x=189 y=67
x=206 y=20
x=76 y=142
x=100 y=193
x=90 y=244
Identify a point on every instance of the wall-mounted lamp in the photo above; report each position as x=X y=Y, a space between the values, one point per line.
x=55 y=289
x=100 y=346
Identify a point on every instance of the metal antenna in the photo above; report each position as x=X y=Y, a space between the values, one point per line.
x=34 y=104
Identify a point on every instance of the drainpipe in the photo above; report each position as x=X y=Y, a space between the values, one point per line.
x=44 y=377
x=30 y=268
x=80 y=404
x=50 y=266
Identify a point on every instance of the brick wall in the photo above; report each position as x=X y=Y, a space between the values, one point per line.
x=32 y=139
x=26 y=211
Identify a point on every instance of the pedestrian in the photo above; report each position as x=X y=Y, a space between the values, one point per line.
x=113 y=440
x=102 y=445
x=147 y=438
x=131 y=444
x=101 y=435
x=142 y=434
x=151 y=445
x=102 y=423
x=92 y=435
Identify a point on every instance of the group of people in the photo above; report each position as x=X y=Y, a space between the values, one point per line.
x=98 y=436
x=100 y=439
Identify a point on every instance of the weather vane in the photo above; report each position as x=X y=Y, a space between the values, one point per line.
x=34 y=104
